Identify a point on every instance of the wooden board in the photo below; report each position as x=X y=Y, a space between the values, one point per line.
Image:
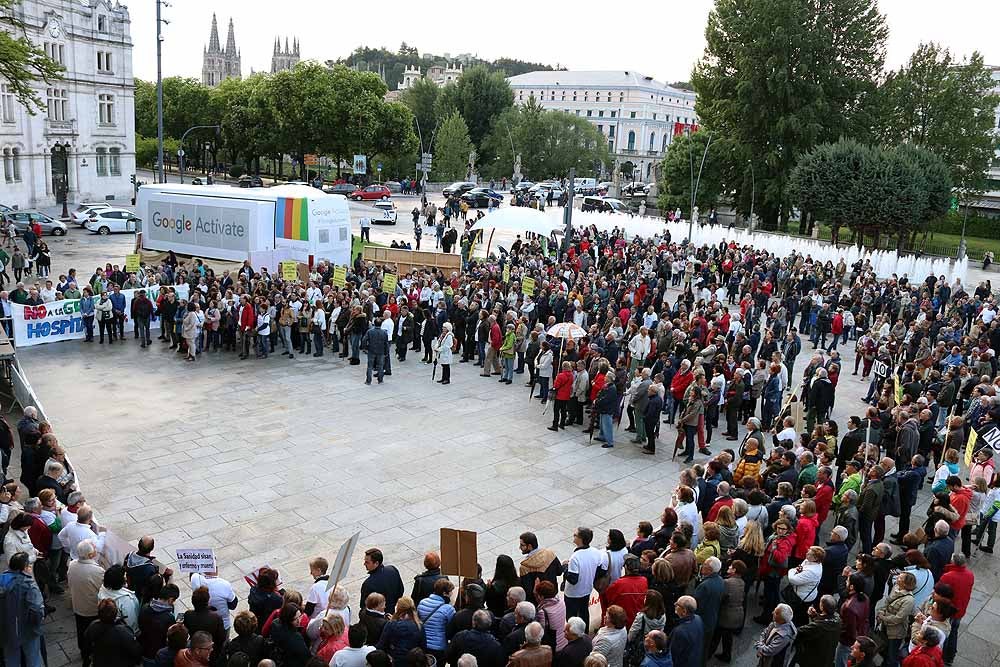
x=407 y=260
x=459 y=552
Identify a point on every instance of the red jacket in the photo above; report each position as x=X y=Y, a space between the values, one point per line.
x=924 y=657
x=961 y=580
x=713 y=512
x=823 y=500
x=496 y=338
x=805 y=535
x=679 y=384
x=596 y=385
x=779 y=550
x=563 y=385
x=960 y=503
x=41 y=536
x=248 y=319
x=837 y=325
x=629 y=593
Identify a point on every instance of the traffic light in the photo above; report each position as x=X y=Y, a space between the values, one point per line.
x=132 y=179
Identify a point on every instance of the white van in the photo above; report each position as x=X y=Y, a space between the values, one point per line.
x=584 y=186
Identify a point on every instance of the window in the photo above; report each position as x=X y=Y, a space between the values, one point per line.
x=611 y=145
x=666 y=135
x=8 y=165
x=652 y=141
x=106 y=109
x=115 y=161
x=590 y=112
x=574 y=96
x=552 y=96
x=58 y=103
x=102 y=23
x=55 y=51
x=577 y=112
x=598 y=97
x=600 y=128
x=614 y=114
x=631 y=140
x=654 y=116
x=611 y=130
x=520 y=95
x=102 y=161
x=586 y=94
x=6 y=104
x=16 y=157
x=600 y=114
x=104 y=61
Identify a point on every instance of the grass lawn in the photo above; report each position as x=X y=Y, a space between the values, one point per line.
x=937 y=243
x=357 y=246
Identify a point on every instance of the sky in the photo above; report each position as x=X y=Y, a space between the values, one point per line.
x=550 y=33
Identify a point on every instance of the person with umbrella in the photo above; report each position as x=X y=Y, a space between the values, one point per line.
x=563 y=386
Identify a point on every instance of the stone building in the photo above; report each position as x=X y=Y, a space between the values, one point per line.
x=218 y=64
x=284 y=59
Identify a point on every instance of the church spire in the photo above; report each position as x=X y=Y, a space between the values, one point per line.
x=231 y=40
x=213 y=40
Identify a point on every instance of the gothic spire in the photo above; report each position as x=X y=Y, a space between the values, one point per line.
x=231 y=40
x=213 y=40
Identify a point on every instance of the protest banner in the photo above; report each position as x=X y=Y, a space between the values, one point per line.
x=528 y=286
x=342 y=563
x=389 y=283
x=290 y=270
x=132 y=263
x=506 y=275
x=339 y=276
x=459 y=552
x=196 y=560
x=61 y=320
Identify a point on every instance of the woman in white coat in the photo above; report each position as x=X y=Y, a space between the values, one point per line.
x=443 y=347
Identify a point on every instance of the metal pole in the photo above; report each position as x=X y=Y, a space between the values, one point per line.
x=961 y=243
x=159 y=93
x=568 y=211
x=181 y=148
x=753 y=192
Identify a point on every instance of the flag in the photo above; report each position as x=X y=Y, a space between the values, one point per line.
x=899 y=389
x=291 y=218
x=973 y=436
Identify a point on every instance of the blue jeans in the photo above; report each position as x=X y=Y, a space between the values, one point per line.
x=32 y=649
x=375 y=362
x=608 y=429
x=508 y=368
x=355 y=346
x=843 y=652
x=951 y=643
x=689 y=434
x=481 y=351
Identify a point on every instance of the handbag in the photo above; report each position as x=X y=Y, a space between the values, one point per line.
x=635 y=650
x=602 y=579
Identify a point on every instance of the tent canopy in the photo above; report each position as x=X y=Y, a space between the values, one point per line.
x=519 y=219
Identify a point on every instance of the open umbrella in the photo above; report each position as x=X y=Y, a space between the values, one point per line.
x=566 y=330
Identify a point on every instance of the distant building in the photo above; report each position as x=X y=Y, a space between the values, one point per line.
x=637 y=115
x=218 y=64
x=440 y=75
x=81 y=145
x=284 y=59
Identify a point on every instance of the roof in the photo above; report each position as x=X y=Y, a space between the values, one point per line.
x=595 y=78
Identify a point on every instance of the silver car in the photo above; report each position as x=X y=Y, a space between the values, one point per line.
x=22 y=219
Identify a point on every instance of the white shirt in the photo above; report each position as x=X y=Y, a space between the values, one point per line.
x=387 y=327
x=988 y=314
x=351 y=657
x=220 y=594
x=72 y=534
x=806 y=582
x=584 y=562
x=318 y=596
x=688 y=513
x=48 y=295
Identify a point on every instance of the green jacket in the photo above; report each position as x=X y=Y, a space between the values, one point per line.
x=852 y=482
x=808 y=475
x=507 y=347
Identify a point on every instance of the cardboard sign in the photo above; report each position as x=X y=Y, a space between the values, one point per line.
x=289 y=271
x=880 y=369
x=528 y=286
x=506 y=275
x=196 y=560
x=339 y=276
x=132 y=263
x=459 y=552
x=343 y=561
x=389 y=283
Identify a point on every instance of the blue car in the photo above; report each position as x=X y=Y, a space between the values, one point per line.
x=481 y=197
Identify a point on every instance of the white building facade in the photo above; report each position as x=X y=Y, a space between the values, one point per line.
x=81 y=145
x=637 y=115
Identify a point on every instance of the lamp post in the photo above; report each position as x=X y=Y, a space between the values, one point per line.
x=753 y=193
x=694 y=191
x=180 y=150
x=159 y=89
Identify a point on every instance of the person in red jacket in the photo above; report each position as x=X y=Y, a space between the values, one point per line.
x=563 y=386
x=679 y=384
x=927 y=653
x=824 y=493
x=248 y=325
x=836 y=328
x=960 y=497
x=629 y=591
x=723 y=500
x=773 y=566
x=805 y=530
x=961 y=579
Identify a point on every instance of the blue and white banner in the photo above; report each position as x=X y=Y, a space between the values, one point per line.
x=61 y=320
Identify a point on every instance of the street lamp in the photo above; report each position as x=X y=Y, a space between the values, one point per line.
x=753 y=193
x=180 y=150
x=159 y=88
x=694 y=191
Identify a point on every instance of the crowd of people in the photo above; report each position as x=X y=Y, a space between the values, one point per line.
x=788 y=528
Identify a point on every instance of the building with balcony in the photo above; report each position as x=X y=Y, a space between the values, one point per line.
x=80 y=146
x=637 y=115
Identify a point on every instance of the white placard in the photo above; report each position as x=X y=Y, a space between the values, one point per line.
x=343 y=561
x=196 y=560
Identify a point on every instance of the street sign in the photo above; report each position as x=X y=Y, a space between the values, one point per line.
x=360 y=164
x=311 y=160
x=379 y=167
x=180 y=152
x=427 y=156
x=419 y=166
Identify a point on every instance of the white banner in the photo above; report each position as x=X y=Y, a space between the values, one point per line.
x=61 y=320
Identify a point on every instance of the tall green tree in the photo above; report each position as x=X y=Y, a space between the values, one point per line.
x=682 y=164
x=421 y=98
x=479 y=96
x=304 y=101
x=780 y=76
x=358 y=98
x=452 y=146
x=248 y=119
x=946 y=105
x=22 y=62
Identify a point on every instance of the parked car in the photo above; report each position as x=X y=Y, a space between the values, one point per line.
x=370 y=192
x=6 y=209
x=112 y=221
x=22 y=219
x=603 y=187
x=340 y=189
x=394 y=186
x=635 y=190
x=542 y=190
x=481 y=197
x=603 y=205
x=523 y=186
x=389 y=213
x=248 y=181
x=458 y=188
x=82 y=212
x=584 y=186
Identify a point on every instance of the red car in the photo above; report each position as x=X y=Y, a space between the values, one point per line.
x=371 y=192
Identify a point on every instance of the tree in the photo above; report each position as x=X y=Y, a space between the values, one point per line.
x=358 y=98
x=479 y=96
x=248 y=119
x=23 y=63
x=421 y=98
x=451 y=149
x=305 y=104
x=948 y=107
x=780 y=76
x=680 y=168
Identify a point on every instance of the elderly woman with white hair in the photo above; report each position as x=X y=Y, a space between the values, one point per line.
x=803 y=583
x=772 y=645
x=444 y=348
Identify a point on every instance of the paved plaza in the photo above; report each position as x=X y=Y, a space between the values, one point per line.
x=276 y=461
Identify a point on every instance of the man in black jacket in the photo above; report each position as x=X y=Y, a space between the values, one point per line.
x=478 y=642
x=578 y=645
x=373 y=617
x=382 y=578
x=423 y=583
x=606 y=404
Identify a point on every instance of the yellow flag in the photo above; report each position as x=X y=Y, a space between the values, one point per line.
x=969 y=445
x=899 y=390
